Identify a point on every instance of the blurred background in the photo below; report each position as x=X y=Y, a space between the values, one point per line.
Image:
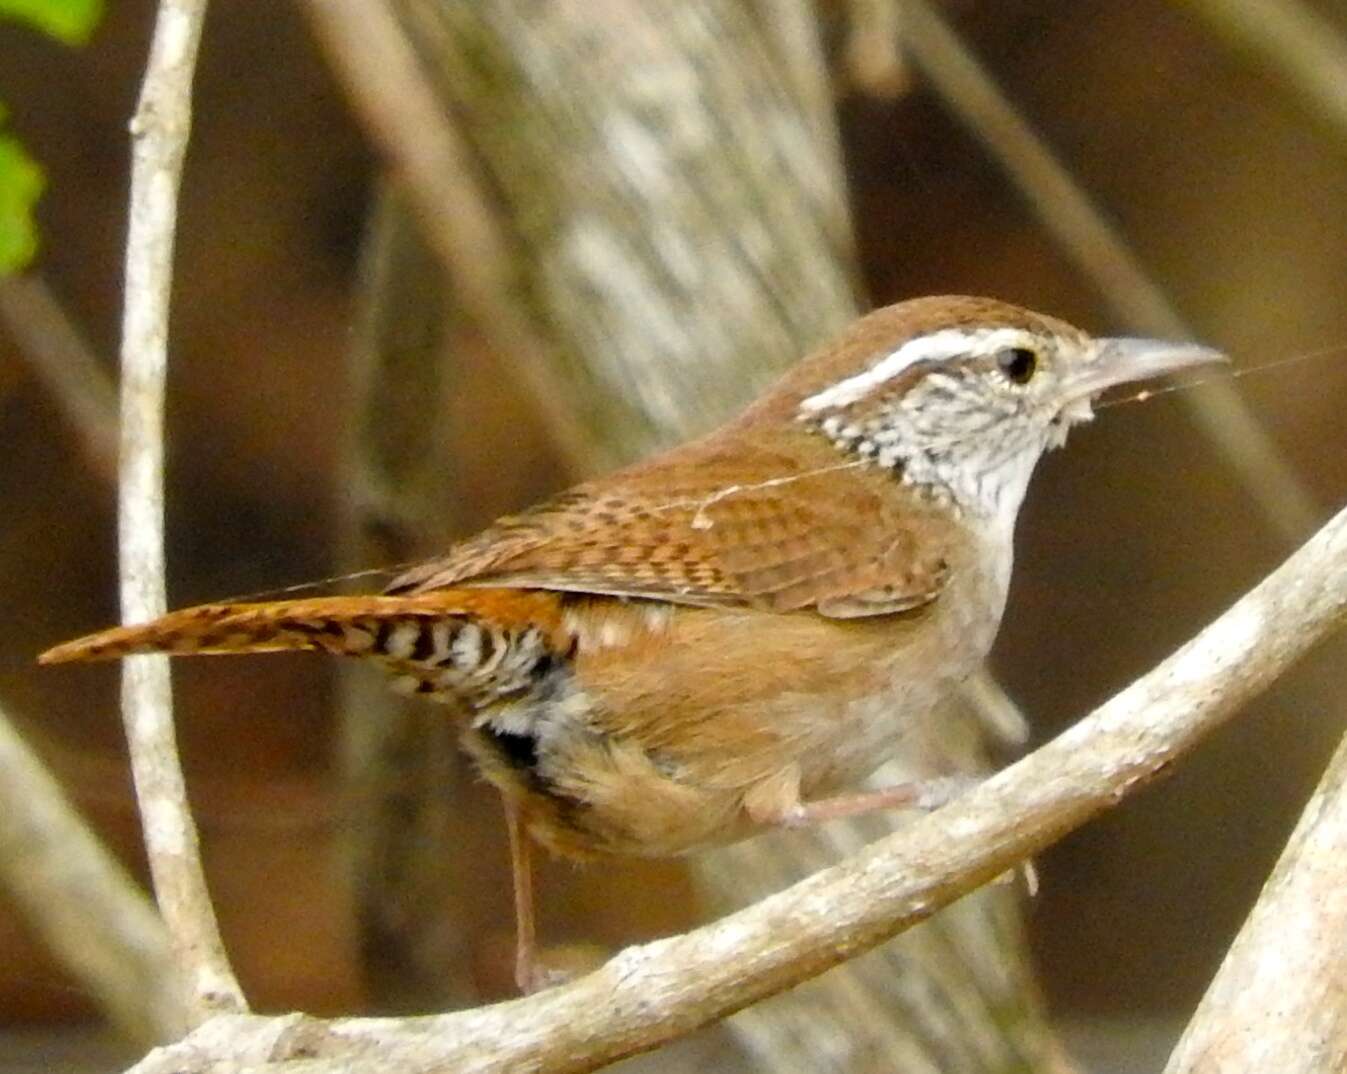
x=1213 y=151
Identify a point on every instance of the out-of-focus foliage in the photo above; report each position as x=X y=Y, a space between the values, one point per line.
x=20 y=184
x=21 y=179
x=69 y=21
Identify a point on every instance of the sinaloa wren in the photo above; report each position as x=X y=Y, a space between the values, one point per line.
x=733 y=633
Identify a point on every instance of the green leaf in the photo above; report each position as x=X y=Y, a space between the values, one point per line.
x=70 y=21
x=21 y=182
x=21 y=178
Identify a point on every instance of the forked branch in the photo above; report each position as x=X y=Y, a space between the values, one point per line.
x=647 y=995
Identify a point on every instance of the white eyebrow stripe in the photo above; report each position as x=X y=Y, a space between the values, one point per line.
x=935 y=347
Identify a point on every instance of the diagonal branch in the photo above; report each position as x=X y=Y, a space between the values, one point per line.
x=75 y=894
x=1302 y=47
x=647 y=995
x=66 y=365
x=159 y=135
x=1279 y=1001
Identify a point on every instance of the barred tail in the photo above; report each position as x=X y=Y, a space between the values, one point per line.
x=340 y=625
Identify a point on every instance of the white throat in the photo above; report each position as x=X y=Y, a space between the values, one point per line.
x=942 y=439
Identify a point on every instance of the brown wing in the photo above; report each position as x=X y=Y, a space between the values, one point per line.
x=783 y=529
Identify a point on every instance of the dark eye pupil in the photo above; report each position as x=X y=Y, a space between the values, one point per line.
x=1018 y=363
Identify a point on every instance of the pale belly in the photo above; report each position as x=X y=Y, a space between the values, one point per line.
x=906 y=705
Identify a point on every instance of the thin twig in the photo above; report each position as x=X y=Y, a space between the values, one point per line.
x=873 y=54
x=426 y=155
x=1279 y=1001
x=66 y=365
x=1305 y=49
x=159 y=134
x=647 y=995
x=90 y=912
x=1088 y=239
x=1001 y=716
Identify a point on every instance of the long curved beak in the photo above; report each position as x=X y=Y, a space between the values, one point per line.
x=1122 y=361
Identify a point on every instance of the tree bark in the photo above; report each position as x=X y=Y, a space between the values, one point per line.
x=679 y=235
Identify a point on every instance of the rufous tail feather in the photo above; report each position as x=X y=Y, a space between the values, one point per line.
x=341 y=625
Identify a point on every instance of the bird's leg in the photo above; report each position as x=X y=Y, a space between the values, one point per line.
x=777 y=802
x=926 y=794
x=529 y=972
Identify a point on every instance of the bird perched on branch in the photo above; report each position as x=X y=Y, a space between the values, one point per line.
x=731 y=635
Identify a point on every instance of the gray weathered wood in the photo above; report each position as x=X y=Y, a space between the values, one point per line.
x=1279 y=1001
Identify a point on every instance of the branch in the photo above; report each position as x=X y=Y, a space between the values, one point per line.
x=647 y=995
x=63 y=361
x=1279 y=1001
x=873 y=53
x=1088 y=238
x=1297 y=43
x=92 y=916
x=159 y=135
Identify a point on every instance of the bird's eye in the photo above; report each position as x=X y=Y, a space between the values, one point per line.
x=1019 y=364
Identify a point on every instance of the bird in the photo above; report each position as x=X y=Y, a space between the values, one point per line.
x=731 y=635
